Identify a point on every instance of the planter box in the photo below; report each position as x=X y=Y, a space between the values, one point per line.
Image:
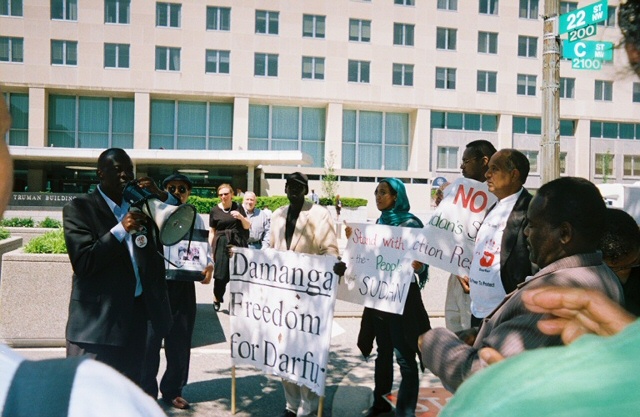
x=7 y=245
x=28 y=233
x=34 y=299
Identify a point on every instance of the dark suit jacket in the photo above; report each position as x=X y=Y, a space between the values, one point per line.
x=515 y=265
x=104 y=282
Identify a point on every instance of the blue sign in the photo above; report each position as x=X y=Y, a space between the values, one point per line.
x=438 y=181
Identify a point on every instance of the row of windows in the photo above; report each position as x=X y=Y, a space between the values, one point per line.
x=489 y=123
x=448 y=159
x=605 y=165
x=218 y=61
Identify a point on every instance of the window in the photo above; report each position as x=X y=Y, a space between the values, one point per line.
x=11 y=49
x=527 y=125
x=359 y=71
x=117 y=11
x=375 y=140
x=611 y=17
x=10 y=7
x=446 y=38
x=567 y=87
x=284 y=128
x=168 y=15
x=64 y=9
x=18 y=105
x=359 y=30
x=636 y=93
x=313 y=26
x=603 y=90
x=90 y=122
x=631 y=165
x=64 y=52
x=167 y=59
x=405 y=2
x=403 y=34
x=448 y=5
x=267 y=22
x=403 y=74
x=488 y=42
x=567 y=127
x=312 y=68
x=487 y=81
x=527 y=46
x=116 y=55
x=611 y=130
x=464 y=121
x=526 y=85
x=529 y=9
x=604 y=164
x=448 y=158
x=216 y=62
x=446 y=78
x=568 y=6
x=563 y=162
x=532 y=156
x=190 y=125
x=488 y=7
x=218 y=18
x=265 y=65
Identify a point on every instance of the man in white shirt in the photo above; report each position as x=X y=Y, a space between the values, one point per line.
x=501 y=257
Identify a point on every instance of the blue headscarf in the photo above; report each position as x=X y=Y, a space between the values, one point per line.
x=399 y=213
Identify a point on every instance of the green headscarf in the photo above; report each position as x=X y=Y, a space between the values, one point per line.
x=399 y=213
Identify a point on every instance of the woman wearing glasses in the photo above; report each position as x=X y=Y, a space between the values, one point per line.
x=229 y=225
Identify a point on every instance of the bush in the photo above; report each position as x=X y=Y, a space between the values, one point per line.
x=50 y=242
x=346 y=202
x=4 y=233
x=203 y=205
x=17 y=222
x=50 y=223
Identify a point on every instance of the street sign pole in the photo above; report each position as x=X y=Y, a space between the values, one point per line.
x=550 y=139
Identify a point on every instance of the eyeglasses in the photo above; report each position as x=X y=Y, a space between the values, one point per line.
x=181 y=189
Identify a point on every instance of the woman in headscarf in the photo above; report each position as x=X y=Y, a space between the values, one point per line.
x=395 y=332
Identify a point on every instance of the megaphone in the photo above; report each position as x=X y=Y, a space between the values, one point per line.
x=174 y=222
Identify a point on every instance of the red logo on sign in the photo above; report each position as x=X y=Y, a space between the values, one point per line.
x=487 y=259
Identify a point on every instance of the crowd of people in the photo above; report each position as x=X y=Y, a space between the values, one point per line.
x=546 y=270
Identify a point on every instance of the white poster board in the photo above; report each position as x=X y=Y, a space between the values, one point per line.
x=281 y=311
x=378 y=272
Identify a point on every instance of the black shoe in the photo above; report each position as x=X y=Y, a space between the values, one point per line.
x=374 y=411
x=216 y=306
x=287 y=413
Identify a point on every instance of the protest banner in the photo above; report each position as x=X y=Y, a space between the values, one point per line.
x=281 y=311
x=378 y=272
x=448 y=239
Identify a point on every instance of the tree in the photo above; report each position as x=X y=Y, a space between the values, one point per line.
x=329 y=178
x=607 y=168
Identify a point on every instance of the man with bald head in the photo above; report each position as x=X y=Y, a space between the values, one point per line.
x=260 y=230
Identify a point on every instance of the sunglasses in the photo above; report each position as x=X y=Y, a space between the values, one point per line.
x=181 y=189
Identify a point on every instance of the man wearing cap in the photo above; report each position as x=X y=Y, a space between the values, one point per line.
x=302 y=227
x=188 y=266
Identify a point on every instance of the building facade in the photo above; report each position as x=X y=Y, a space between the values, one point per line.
x=247 y=91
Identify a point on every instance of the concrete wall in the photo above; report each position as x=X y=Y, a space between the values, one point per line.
x=7 y=245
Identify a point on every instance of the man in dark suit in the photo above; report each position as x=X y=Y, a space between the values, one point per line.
x=501 y=256
x=118 y=279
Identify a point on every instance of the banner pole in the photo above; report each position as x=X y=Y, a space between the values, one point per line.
x=233 y=389
x=320 y=406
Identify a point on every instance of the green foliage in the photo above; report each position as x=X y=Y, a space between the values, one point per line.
x=17 y=222
x=203 y=205
x=329 y=178
x=346 y=202
x=50 y=223
x=50 y=242
x=4 y=233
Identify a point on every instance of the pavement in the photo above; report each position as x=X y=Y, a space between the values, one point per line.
x=349 y=384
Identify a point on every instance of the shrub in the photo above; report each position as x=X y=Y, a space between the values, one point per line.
x=50 y=242
x=203 y=205
x=346 y=202
x=17 y=222
x=4 y=233
x=50 y=223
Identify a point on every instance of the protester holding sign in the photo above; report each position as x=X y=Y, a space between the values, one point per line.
x=306 y=228
x=394 y=332
x=189 y=262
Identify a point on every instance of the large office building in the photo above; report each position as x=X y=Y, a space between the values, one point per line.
x=248 y=91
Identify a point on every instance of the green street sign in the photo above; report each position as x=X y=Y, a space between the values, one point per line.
x=586 y=63
x=588 y=15
x=587 y=49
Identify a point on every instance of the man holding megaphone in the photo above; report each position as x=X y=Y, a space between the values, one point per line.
x=118 y=274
